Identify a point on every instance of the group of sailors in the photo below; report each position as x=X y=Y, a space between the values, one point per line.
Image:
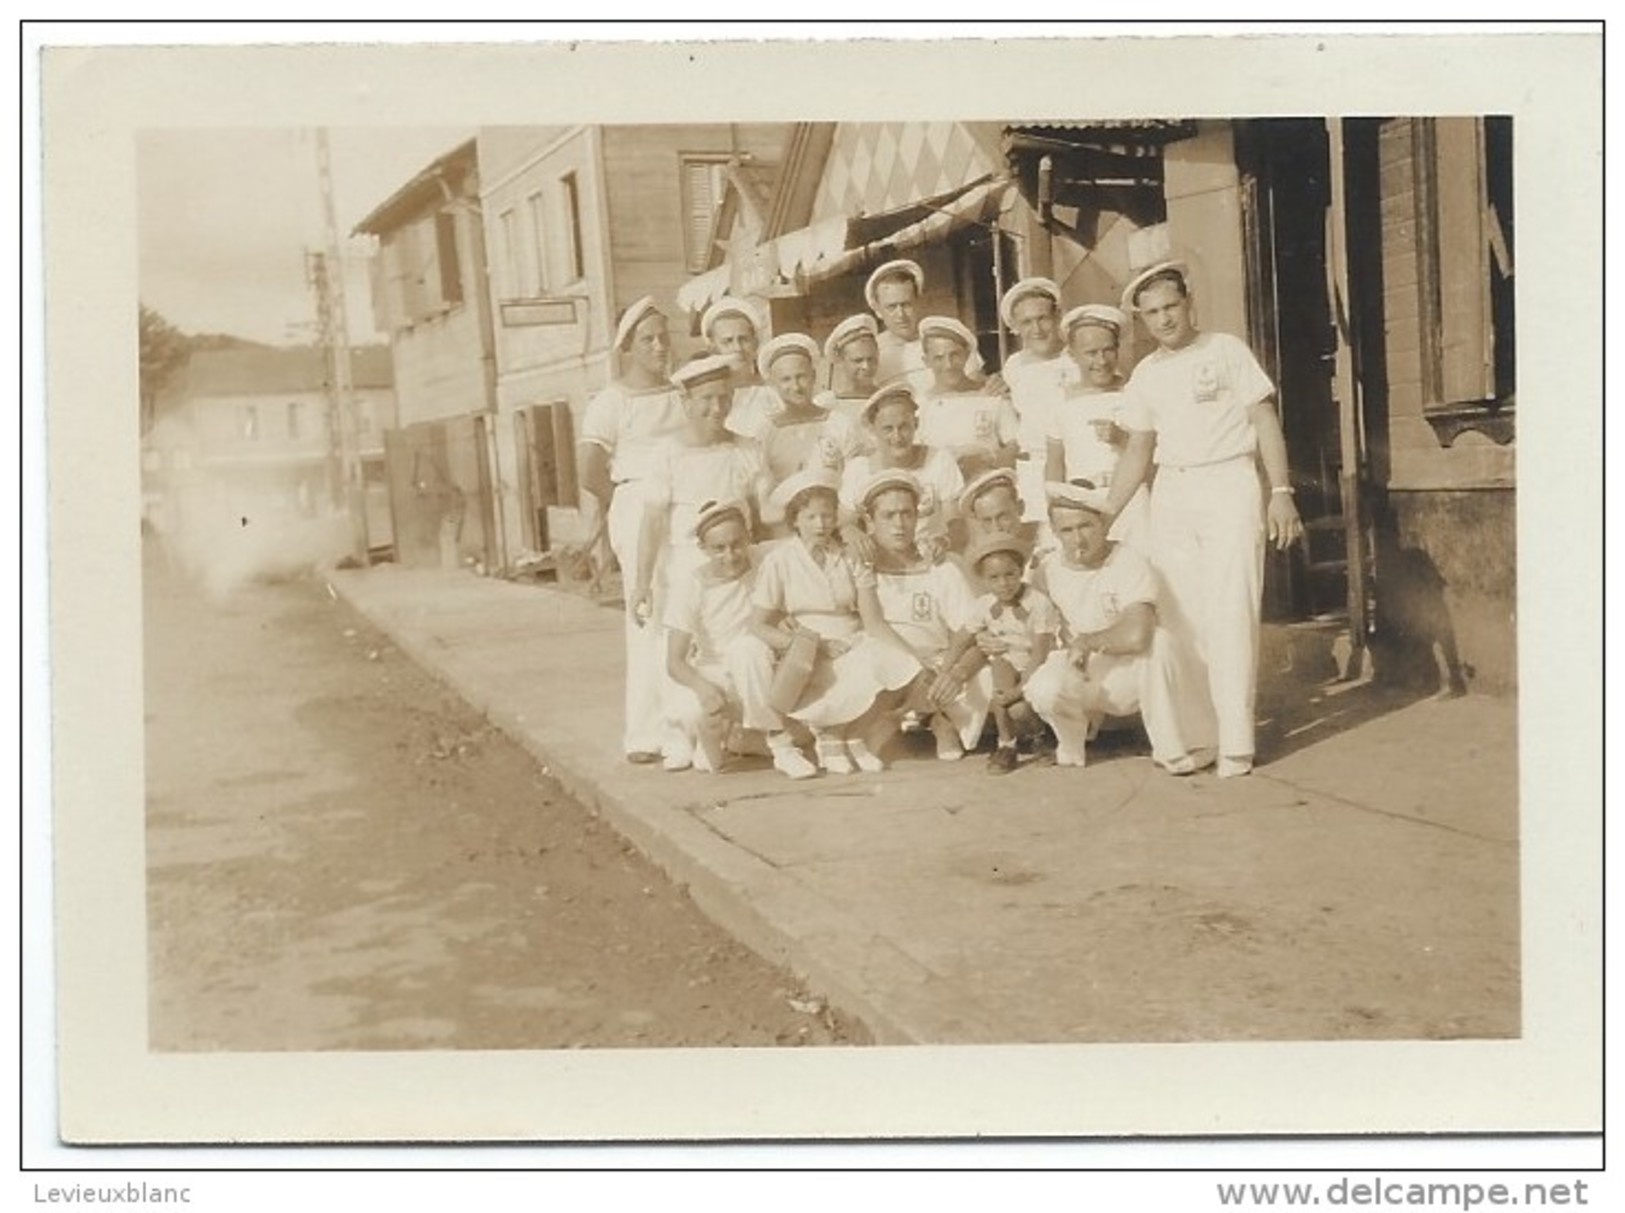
x=822 y=544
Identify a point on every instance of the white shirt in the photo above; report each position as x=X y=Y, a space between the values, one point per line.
x=754 y=405
x=927 y=607
x=713 y=612
x=632 y=425
x=1072 y=424
x=1037 y=387
x=968 y=421
x=1091 y=600
x=1198 y=400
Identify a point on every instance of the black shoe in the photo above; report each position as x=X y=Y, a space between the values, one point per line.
x=643 y=758
x=1002 y=761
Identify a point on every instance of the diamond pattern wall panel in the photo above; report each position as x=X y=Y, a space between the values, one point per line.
x=879 y=166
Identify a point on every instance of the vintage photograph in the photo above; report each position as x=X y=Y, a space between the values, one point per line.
x=812 y=587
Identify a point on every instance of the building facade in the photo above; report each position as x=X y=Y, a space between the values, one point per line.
x=432 y=296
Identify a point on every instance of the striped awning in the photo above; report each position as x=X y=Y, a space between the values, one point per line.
x=796 y=260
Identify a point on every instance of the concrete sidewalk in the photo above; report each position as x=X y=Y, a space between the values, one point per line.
x=1361 y=884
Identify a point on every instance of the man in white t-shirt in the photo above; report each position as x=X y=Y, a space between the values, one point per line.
x=1203 y=410
x=1037 y=375
x=1115 y=658
x=734 y=327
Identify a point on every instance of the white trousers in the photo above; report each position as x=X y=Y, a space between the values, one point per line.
x=1154 y=683
x=745 y=674
x=1207 y=542
x=646 y=645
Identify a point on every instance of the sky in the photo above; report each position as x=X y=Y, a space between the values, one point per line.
x=225 y=217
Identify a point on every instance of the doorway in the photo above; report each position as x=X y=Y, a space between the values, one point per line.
x=1285 y=200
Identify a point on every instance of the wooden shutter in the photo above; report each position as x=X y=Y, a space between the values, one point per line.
x=702 y=195
x=450 y=280
x=1466 y=334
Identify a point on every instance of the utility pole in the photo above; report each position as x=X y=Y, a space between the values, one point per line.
x=335 y=330
x=316 y=272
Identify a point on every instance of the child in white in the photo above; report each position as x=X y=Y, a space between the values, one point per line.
x=1015 y=625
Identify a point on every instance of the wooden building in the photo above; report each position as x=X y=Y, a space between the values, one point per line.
x=1367 y=261
x=581 y=221
x=431 y=295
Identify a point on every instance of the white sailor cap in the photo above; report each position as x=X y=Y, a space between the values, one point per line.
x=1103 y=314
x=632 y=317
x=807 y=480
x=1081 y=494
x=713 y=512
x=1020 y=291
x=785 y=343
x=893 y=269
x=897 y=390
x=884 y=481
x=861 y=325
x=1169 y=270
x=992 y=478
x=947 y=326
x=729 y=305
x=706 y=366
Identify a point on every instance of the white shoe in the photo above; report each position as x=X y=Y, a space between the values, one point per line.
x=677 y=758
x=1189 y=764
x=1230 y=768
x=792 y=762
x=949 y=748
x=832 y=755
x=865 y=758
x=1066 y=756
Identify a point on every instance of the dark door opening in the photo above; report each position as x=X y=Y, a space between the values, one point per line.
x=1285 y=197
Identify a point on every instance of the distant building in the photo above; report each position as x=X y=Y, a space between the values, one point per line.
x=248 y=432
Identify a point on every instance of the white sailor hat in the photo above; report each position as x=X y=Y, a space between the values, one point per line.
x=729 y=305
x=992 y=478
x=947 y=326
x=898 y=390
x=1103 y=314
x=713 y=512
x=785 y=343
x=884 y=481
x=989 y=544
x=861 y=325
x=1081 y=494
x=632 y=317
x=1020 y=291
x=893 y=269
x=706 y=366
x=805 y=481
x=1162 y=270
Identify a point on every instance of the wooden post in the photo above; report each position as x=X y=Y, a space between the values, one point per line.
x=1346 y=386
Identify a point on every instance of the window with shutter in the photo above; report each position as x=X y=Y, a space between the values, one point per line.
x=384 y=279
x=1463 y=174
x=451 y=271
x=536 y=206
x=703 y=180
x=513 y=284
x=576 y=254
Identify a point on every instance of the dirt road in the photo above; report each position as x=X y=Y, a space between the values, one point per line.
x=342 y=855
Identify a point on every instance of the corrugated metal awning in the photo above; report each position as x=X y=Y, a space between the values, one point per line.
x=798 y=259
